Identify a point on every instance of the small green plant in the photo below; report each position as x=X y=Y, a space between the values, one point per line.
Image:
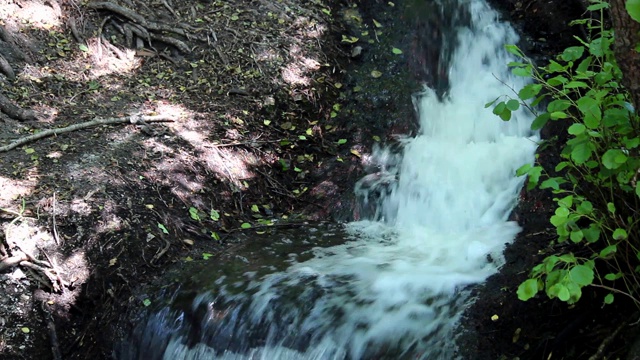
x=194 y=213
x=163 y=228
x=595 y=186
x=214 y=215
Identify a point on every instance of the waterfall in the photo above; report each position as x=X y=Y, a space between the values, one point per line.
x=396 y=289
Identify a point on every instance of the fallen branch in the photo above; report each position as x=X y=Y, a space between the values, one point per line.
x=134 y=119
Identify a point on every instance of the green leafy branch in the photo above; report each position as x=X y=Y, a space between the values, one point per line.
x=595 y=185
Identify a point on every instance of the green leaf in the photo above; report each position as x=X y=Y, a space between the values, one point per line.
x=513 y=105
x=490 y=103
x=215 y=236
x=577 y=129
x=585 y=208
x=620 y=234
x=598 y=6
x=245 y=226
x=562 y=165
x=568 y=258
x=613 y=158
x=215 y=215
x=554 y=66
x=513 y=49
x=638 y=189
x=611 y=208
x=562 y=212
x=576 y=236
x=534 y=176
x=581 y=153
x=146 y=302
x=522 y=71
x=559 y=222
x=349 y=39
x=206 y=256
x=584 y=65
x=528 y=289
x=631 y=143
x=163 y=228
x=540 y=121
x=599 y=47
x=590 y=107
x=592 y=233
x=581 y=275
x=529 y=91
x=523 y=170
x=608 y=299
x=611 y=249
x=563 y=293
x=83 y=48
x=553 y=183
x=575 y=292
x=396 y=51
x=633 y=8
x=576 y=84
x=193 y=212
x=538 y=100
x=557 y=80
x=344 y=141
x=500 y=108
x=558 y=115
x=558 y=105
x=572 y=53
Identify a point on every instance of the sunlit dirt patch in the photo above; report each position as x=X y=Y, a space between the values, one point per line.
x=45 y=15
x=11 y=190
x=297 y=72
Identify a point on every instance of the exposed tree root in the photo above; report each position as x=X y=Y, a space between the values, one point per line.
x=24 y=260
x=6 y=68
x=144 y=28
x=53 y=334
x=134 y=119
x=10 y=262
x=8 y=107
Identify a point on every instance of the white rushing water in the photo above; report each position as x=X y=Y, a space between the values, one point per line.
x=398 y=284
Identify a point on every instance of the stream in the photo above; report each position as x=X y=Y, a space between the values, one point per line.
x=390 y=287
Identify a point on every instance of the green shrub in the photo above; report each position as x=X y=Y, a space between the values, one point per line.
x=595 y=186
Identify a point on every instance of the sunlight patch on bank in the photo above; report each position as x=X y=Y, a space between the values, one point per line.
x=31 y=13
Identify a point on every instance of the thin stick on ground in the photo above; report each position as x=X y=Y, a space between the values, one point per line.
x=134 y=119
x=55 y=228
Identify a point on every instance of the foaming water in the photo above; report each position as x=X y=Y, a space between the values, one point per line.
x=396 y=289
